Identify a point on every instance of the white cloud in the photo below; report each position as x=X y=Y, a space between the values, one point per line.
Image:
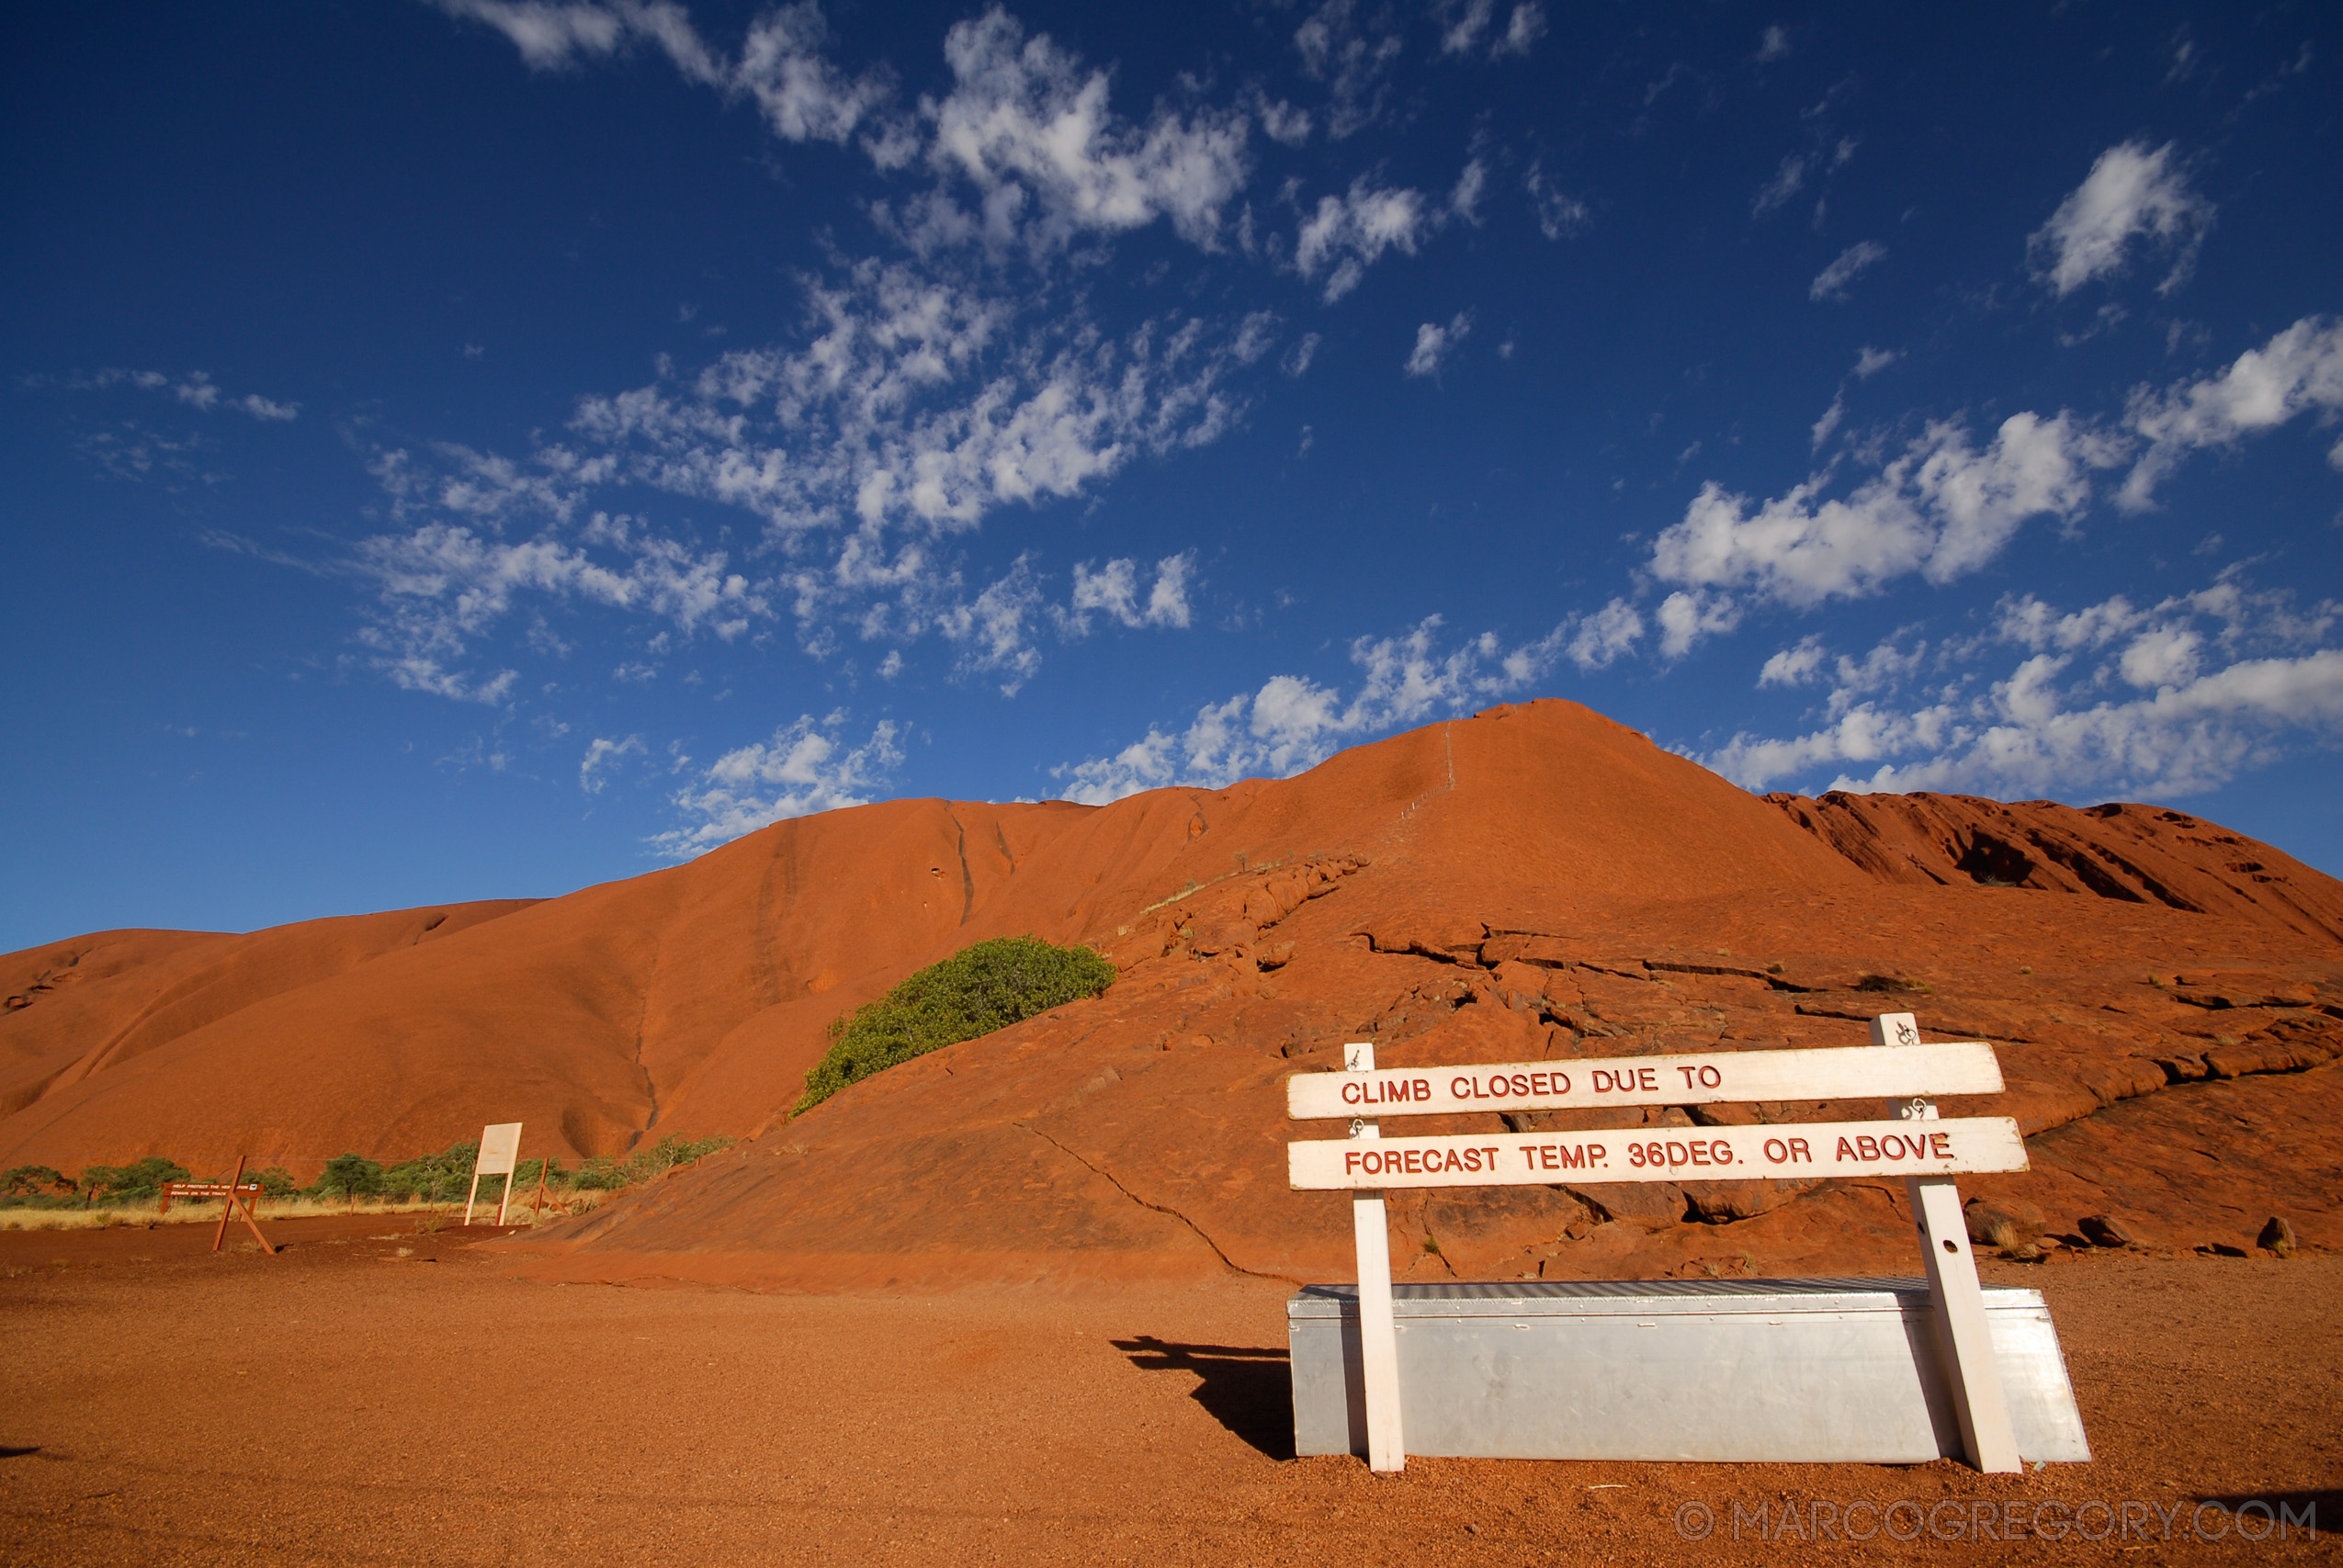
x=1463 y=26
x=441 y=585
x=1793 y=666
x=1829 y=419
x=1292 y=723
x=925 y=404
x=1942 y=508
x=803 y=769
x=1872 y=361
x=1465 y=200
x=1596 y=641
x=1833 y=281
x=1522 y=29
x=195 y=390
x=1029 y=128
x=1559 y=213
x=1347 y=235
x=604 y=754
x=1772 y=44
x=1686 y=616
x=1337 y=49
x=1115 y=590
x=2174 y=699
x=802 y=95
x=2131 y=195
x=2298 y=371
x=1436 y=343
x=1787 y=182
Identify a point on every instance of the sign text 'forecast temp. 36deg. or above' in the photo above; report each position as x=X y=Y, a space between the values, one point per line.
x=1807 y=1149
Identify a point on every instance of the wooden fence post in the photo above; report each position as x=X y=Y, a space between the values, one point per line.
x=1378 y=1336
x=1963 y=1342
x=227 y=1207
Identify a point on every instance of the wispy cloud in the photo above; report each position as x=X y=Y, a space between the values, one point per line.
x=1436 y=343
x=1353 y=55
x=2171 y=699
x=1942 y=508
x=1346 y=234
x=1291 y=722
x=1834 y=281
x=2298 y=371
x=2132 y=200
x=805 y=767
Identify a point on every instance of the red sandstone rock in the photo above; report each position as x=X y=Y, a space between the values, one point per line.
x=1533 y=883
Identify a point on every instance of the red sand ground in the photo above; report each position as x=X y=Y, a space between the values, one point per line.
x=1535 y=882
x=341 y=1405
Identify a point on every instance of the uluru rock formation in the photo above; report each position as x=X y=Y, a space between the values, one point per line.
x=1535 y=882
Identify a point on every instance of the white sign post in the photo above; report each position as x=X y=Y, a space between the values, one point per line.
x=500 y=1152
x=1925 y=1149
x=1963 y=1343
x=1378 y=1336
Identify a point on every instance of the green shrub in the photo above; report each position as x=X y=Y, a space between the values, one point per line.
x=28 y=1179
x=350 y=1176
x=137 y=1182
x=974 y=992
x=275 y=1182
x=435 y=1178
x=601 y=1174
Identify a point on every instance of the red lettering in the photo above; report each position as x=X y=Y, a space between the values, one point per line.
x=1700 y=1154
x=1349 y=1162
x=1721 y=1152
x=1678 y=1155
x=1845 y=1150
x=1423 y=1089
x=1711 y=1079
x=1350 y=1094
x=1866 y=1147
x=1648 y=1077
x=1776 y=1150
x=1460 y=1088
x=1596 y=1154
x=1941 y=1144
x=1492 y=1157
x=1688 y=1073
x=1798 y=1150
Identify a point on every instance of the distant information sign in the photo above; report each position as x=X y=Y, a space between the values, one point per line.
x=1867 y=1072
x=500 y=1149
x=1800 y=1150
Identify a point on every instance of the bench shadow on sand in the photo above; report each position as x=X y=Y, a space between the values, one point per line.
x=1247 y=1389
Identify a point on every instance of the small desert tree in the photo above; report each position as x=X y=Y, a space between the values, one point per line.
x=348 y=1175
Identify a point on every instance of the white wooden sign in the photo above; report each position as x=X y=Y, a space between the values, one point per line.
x=1917 y=1145
x=500 y=1149
x=1805 y=1149
x=1861 y=1072
x=500 y=1153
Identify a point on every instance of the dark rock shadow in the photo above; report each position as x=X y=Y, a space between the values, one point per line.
x=1249 y=1390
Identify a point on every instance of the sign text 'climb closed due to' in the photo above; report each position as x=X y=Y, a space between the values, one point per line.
x=1709 y=1078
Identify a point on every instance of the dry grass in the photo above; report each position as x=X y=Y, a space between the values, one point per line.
x=187 y=1212
x=429 y=1217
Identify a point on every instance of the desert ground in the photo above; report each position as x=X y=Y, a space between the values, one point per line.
x=378 y=1393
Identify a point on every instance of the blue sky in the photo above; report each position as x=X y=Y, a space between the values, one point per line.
x=481 y=450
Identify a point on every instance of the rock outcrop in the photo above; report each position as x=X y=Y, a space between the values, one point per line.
x=1533 y=883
